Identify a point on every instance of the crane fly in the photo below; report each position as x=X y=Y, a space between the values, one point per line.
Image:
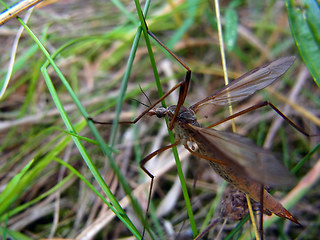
x=235 y=158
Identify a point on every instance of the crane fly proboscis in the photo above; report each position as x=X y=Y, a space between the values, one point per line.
x=236 y=159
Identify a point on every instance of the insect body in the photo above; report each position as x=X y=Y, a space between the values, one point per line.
x=235 y=158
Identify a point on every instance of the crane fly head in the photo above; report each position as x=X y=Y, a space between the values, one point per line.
x=160 y=112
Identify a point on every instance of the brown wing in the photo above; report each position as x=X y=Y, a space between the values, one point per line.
x=248 y=83
x=260 y=164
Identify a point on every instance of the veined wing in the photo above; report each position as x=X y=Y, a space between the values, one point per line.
x=248 y=83
x=260 y=164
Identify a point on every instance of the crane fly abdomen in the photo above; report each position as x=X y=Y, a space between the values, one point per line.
x=244 y=183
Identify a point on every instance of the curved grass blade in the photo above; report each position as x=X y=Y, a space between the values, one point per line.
x=304 y=21
x=119 y=211
x=171 y=136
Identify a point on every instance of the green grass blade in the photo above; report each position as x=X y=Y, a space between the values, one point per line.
x=304 y=21
x=6 y=196
x=27 y=175
x=79 y=175
x=13 y=235
x=124 y=85
x=119 y=211
x=171 y=136
x=214 y=206
x=22 y=207
x=231 y=27
x=89 y=140
x=303 y=160
x=192 y=7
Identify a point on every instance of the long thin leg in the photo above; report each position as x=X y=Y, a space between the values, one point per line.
x=208 y=228
x=182 y=96
x=261 y=211
x=145 y=111
x=259 y=105
x=183 y=90
x=151 y=155
x=184 y=85
x=142 y=163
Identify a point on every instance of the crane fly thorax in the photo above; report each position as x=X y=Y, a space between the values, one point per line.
x=184 y=117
